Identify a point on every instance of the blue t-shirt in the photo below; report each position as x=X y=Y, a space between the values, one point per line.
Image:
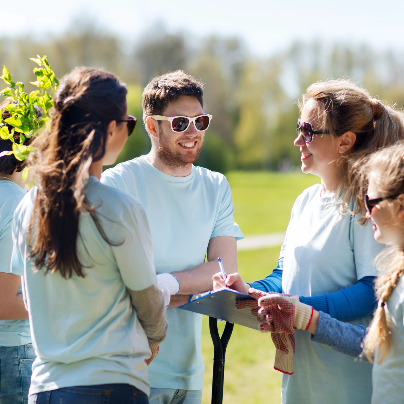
x=12 y=332
x=325 y=251
x=184 y=214
x=85 y=331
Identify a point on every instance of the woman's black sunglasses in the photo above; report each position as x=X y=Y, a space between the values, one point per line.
x=131 y=123
x=371 y=203
x=305 y=129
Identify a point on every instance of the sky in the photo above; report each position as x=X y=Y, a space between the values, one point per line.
x=264 y=25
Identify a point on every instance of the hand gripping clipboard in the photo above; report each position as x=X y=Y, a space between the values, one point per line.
x=222 y=305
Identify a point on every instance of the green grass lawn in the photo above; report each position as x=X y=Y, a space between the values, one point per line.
x=263 y=202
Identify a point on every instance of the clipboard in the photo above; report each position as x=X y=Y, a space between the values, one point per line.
x=222 y=305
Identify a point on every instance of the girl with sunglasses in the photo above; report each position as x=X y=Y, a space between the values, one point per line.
x=85 y=254
x=383 y=341
x=327 y=256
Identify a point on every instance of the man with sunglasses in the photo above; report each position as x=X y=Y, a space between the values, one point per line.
x=190 y=212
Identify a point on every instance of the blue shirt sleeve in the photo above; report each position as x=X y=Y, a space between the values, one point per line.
x=273 y=282
x=340 y=336
x=351 y=303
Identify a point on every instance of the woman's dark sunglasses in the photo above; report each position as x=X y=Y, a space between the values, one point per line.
x=131 y=123
x=371 y=203
x=305 y=129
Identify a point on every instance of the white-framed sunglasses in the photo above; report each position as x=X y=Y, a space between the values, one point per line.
x=181 y=123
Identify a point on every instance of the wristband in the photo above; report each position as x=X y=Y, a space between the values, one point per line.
x=170 y=282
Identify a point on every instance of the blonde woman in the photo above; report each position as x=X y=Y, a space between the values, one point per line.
x=327 y=256
x=384 y=339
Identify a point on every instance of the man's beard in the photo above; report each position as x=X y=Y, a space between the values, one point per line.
x=174 y=158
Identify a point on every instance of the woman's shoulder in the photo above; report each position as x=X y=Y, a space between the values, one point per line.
x=307 y=195
x=110 y=199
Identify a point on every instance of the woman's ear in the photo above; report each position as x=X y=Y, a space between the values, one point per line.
x=111 y=130
x=152 y=127
x=347 y=140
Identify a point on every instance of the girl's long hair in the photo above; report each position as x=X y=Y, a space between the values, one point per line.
x=86 y=101
x=344 y=106
x=387 y=170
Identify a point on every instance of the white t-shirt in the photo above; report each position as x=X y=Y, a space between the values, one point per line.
x=323 y=253
x=184 y=214
x=12 y=332
x=85 y=330
x=388 y=377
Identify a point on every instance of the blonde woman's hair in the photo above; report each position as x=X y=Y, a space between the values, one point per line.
x=387 y=170
x=343 y=107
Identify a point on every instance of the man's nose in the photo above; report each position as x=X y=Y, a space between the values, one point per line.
x=191 y=130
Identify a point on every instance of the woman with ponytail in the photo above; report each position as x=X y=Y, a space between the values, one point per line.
x=383 y=342
x=327 y=259
x=84 y=252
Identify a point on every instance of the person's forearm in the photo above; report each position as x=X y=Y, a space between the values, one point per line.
x=151 y=312
x=347 y=304
x=199 y=279
x=342 y=337
x=11 y=302
x=178 y=300
x=13 y=308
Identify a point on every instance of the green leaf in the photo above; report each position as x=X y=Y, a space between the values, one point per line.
x=7 y=92
x=20 y=123
x=31 y=184
x=21 y=152
x=37 y=61
x=38 y=72
x=25 y=174
x=6 y=75
x=4 y=133
x=30 y=134
x=11 y=107
x=33 y=96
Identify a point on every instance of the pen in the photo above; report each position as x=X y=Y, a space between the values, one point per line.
x=221 y=268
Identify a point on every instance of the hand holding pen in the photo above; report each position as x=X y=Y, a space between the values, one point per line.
x=233 y=281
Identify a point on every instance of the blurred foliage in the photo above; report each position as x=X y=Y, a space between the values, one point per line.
x=139 y=142
x=253 y=100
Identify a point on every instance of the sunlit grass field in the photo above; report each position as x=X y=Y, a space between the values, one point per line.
x=262 y=202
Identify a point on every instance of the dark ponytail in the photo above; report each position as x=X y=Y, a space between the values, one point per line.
x=86 y=101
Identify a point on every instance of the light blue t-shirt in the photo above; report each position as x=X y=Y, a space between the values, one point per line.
x=184 y=213
x=388 y=376
x=12 y=332
x=85 y=331
x=325 y=252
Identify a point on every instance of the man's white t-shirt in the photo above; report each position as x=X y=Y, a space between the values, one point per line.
x=184 y=213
